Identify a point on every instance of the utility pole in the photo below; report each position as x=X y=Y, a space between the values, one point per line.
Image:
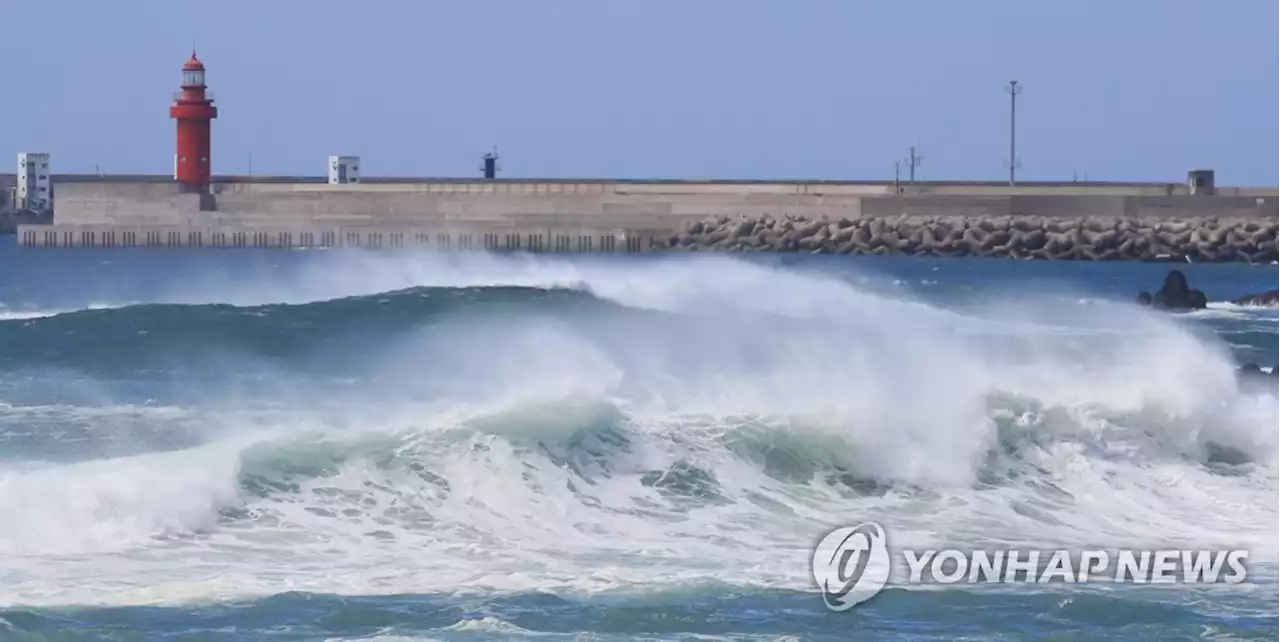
x=913 y=161
x=897 y=174
x=1013 y=90
x=250 y=164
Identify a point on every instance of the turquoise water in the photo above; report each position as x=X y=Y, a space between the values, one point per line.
x=244 y=445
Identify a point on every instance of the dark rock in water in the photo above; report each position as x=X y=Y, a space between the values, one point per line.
x=1252 y=376
x=1255 y=370
x=1176 y=294
x=1198 y=300
x=1252 y=371
x=1144 y=298
x=1219 y=454
x=1267 y=299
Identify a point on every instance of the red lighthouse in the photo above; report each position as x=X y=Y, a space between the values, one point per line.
x=194 y=111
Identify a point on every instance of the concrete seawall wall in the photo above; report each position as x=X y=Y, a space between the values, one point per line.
x=646 y=204
x=137 y=203
x=629 y=215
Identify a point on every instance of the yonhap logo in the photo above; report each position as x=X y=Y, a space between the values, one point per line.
x=851 y=565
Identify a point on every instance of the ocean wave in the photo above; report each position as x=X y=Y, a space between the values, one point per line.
x=191 y=332
x=26 y=313
x=666 y=426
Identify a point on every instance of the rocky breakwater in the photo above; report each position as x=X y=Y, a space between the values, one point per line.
x=1207 y=239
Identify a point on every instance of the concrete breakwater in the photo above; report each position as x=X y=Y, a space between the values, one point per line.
x=1052 y=221
x=1022 y=237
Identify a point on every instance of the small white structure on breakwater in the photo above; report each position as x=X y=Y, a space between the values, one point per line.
x=344 y=170
x=34 y=189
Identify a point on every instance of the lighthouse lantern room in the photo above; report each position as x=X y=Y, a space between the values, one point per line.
x=194 y=111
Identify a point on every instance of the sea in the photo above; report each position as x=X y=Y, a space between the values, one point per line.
x=337 y=444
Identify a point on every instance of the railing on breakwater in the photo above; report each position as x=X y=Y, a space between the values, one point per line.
x=47 y=236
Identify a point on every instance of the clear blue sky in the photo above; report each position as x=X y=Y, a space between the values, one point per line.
x=1117 y=89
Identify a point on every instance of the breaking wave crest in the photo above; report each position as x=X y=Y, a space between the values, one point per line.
x=594 y=429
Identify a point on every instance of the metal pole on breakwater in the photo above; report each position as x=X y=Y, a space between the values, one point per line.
x=1013 y=90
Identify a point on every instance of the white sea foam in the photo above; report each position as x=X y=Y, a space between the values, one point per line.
x=8 y=314
x=514 y=476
